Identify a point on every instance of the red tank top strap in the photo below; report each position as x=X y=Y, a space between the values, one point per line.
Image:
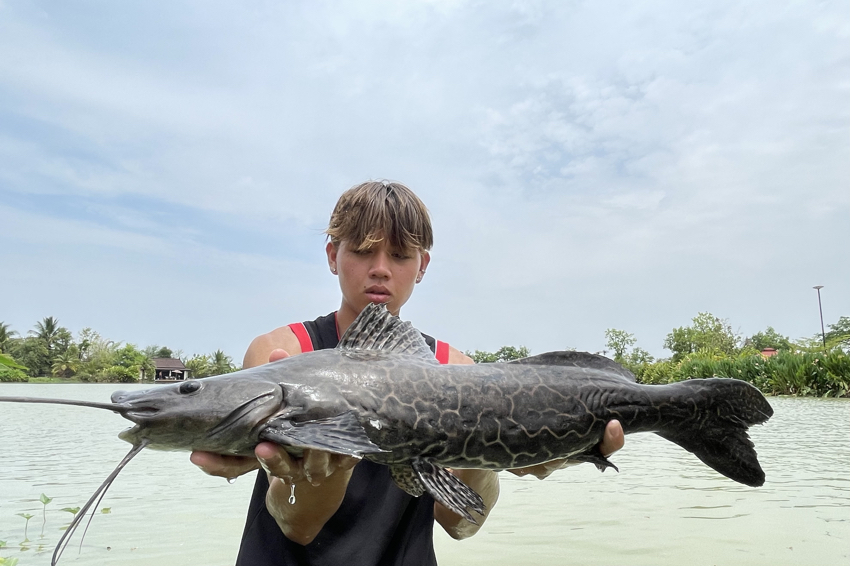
x=303 y=336
x=442 y=352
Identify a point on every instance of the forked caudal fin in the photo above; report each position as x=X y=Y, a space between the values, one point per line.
x=713 y=426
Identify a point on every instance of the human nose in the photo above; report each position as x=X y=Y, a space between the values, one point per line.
x=380 y=267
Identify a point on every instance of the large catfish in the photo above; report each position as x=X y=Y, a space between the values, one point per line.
x=381 y=395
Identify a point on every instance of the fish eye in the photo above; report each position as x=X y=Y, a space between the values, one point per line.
x=188 y=387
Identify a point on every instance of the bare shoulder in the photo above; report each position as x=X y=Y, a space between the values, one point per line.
x=280 y=338
x=458 y=357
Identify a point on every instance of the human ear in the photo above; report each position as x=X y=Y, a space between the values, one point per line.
x=424 y=260
x=331 y=252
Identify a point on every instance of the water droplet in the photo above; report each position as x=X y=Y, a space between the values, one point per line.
x=231 y=480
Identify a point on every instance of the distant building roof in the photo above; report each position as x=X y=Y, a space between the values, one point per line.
x=168 y=364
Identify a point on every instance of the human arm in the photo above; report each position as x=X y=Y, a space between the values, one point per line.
x=320 y=478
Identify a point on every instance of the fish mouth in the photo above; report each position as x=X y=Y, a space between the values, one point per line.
x=140 y=413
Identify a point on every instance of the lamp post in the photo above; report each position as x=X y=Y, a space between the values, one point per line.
x=820 y=308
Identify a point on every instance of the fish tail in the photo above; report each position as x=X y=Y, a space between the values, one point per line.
x=713 y=424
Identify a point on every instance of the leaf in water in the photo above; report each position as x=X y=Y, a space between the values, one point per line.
x=106 y=510
x=2 y=543
x=44 y=499
x=72 y=510
x=26 y=516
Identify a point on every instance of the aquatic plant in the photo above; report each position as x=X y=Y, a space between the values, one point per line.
x=27 y=518
x=44 y=501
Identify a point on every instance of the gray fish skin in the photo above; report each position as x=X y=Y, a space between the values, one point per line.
x=488 y=416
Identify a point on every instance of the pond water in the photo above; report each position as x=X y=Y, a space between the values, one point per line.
x=664 y=507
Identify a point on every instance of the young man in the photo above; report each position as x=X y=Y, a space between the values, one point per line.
x=348 y=511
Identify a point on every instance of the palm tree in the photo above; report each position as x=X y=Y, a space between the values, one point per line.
x=47 y=331
x=67 y=363
x=221 y=363
x=5 y=336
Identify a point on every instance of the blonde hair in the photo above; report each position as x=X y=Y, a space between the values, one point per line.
x=376 y=210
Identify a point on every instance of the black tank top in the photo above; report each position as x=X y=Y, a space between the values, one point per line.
x=377 y=524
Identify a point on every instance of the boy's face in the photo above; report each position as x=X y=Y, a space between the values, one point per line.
x=380 y=274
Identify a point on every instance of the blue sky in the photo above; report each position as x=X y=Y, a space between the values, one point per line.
x=166 y=168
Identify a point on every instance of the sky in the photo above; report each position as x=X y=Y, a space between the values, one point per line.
x=167 y=168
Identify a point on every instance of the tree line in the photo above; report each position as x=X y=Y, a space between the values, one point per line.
x=50 y=349
x=708 y=347
x=819 y=365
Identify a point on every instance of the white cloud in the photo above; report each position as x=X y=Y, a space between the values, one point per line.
x=588 y=164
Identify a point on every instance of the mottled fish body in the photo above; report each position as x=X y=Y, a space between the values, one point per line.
x=381 y=395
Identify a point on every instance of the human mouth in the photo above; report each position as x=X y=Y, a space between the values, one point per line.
x=378 y=294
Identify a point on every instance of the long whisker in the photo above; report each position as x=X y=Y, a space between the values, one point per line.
x=111 y=406
x=96 y=496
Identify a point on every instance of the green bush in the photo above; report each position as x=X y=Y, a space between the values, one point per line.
x=12 y=375
x=659 y=373
x=121 y=374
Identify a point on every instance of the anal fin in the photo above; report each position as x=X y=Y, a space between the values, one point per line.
x=595 y=457
x=448 y=490
x=341 y=434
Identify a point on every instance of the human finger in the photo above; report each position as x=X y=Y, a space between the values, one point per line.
x=613 y=439
x=277 y=462
x=544 y=470
x=316 y=465
x=344 y=463
x=222 y=466
x=278 y=354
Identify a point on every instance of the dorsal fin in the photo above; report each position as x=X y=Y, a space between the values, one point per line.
x=577 y=359
x=376 y=329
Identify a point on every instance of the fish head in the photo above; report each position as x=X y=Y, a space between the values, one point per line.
x=216 y=414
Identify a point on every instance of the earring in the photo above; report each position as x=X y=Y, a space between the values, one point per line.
x=333 y=270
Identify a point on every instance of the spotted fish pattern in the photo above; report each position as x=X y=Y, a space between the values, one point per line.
x=381 y=395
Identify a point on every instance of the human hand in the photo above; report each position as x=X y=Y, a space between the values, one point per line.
x=231 y=466
x=223 y=466
x=612 y=440
x=314 y=466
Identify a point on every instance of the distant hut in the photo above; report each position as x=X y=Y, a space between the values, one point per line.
x=768 y=352
x=170 y=369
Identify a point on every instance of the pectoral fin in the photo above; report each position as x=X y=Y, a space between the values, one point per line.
x=341 y=434
x=404 y=477
x=448 y=490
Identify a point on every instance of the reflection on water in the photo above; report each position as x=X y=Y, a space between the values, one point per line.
x=664 y=507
